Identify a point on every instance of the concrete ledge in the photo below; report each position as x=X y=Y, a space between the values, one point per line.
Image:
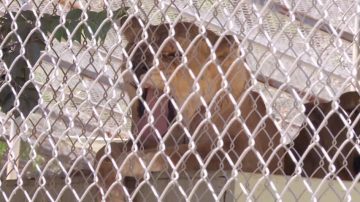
x=55 y=189
x=218 y=186
x=296 y=189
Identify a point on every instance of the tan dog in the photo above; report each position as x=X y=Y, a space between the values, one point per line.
x=334 y=139
x=70 y=4
x=234 y=132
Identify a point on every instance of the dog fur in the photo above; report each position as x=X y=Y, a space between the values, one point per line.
x=333 y=138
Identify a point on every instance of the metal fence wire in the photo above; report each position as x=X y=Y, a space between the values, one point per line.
x=179 y=100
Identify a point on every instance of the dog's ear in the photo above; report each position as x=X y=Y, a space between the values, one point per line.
x=132 y=28
x=315 y=112
x=226 y=47
x=349 y=100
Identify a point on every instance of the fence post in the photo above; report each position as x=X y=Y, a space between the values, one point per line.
x=14 y=148
x=16 y=143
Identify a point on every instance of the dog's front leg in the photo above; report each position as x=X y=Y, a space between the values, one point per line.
x=113 y=191
x=152 y=160
x=136 y=164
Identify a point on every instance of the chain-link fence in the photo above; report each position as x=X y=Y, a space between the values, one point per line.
x=179 y=100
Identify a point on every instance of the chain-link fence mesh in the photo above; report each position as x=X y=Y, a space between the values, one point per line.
x=179 y=100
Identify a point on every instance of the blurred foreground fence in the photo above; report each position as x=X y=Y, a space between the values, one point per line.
x=179 y=100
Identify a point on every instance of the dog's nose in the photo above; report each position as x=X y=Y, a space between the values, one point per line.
x=356 y=165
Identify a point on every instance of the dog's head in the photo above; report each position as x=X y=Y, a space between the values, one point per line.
x=193 y=63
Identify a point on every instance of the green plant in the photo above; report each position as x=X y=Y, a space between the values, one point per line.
x=3 y=149
x=22 y=41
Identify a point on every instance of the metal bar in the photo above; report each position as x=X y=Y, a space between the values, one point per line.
x=357 y=42
x=55 y=115
x=87 y=127
x=288 y=89
x=85 y=72
x=77 y=98
x=308 y=20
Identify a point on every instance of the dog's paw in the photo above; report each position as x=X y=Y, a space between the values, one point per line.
x=136 y=165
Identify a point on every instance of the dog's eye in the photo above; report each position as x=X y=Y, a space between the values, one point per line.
x=170 y=55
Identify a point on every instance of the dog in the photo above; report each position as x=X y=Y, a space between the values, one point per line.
x=333 y=138
x=226 y=124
